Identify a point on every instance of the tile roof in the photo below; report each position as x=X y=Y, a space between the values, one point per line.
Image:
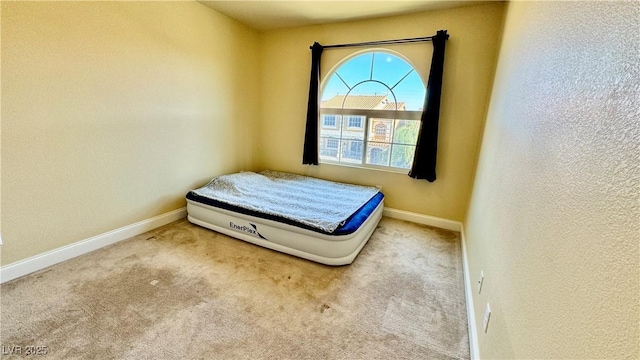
x=356 y=102
x=392 y=106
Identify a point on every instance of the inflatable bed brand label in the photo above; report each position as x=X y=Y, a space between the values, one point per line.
x=252 y=229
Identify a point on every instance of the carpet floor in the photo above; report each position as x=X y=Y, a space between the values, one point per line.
x=185 y=292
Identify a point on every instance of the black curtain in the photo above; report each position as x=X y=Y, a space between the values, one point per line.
x=424 y=161
x=310 y=153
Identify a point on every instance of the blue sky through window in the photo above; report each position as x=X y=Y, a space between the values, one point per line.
x=377 y=66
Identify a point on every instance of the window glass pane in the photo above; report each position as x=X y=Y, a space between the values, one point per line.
x=356 y=69
x=334 y=87
x=402 y=156
x=378 y=153
x=369 y=88
x=368 y=95
x=352 y=151
x=380 y=130
x=352 y=132
x=389 y=68
x=411 y=92
x=331 y=131
x=406 y=132
x=329 y=148
x=332 y=143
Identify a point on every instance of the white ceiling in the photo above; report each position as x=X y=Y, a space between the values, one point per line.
x=268 y=14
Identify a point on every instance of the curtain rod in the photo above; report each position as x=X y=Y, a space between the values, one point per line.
x=384 y=42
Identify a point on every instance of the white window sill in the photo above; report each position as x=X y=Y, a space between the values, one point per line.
x=366 y=167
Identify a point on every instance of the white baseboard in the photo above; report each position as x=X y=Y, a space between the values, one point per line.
x=44 y=260
x=422 y=219
x=468 y=290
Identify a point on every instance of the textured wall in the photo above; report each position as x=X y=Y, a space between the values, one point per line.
x=469 y=67
x=554 y=217
x=111 y=111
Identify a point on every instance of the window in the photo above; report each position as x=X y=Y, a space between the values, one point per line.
x=380 y=130
x=352 y=151
x=378 y=156
x=371 y=106
x=329 y=121
x=329 y=148
x=354 y=122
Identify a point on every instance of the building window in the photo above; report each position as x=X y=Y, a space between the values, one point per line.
x=380 y=130
x=329 y=148
x=354 y=122
x=332 y=143
x=378 y=156
x=352 y=150
x=329 y=121
x=371 y=105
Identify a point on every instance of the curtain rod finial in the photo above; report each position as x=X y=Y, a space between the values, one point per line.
x=443 y=33
x=315 y=44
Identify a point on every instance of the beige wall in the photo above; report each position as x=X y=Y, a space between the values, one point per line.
x=554 y=218
x=469 y=66
x=1 y=241
x=112 y=111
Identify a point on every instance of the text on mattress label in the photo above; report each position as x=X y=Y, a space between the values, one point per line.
x=253 y=229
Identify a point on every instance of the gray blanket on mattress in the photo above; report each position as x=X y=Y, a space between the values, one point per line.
x=317 y=203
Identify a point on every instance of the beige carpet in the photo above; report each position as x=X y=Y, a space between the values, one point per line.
x=184 y=292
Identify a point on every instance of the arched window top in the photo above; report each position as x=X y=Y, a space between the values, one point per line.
x=374 y=80
x=370 y=112
x=380 y=129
